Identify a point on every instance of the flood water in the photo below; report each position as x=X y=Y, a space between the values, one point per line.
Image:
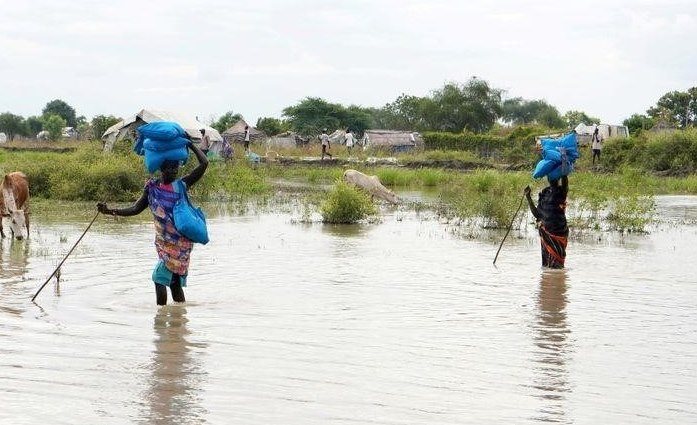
x=401 y=322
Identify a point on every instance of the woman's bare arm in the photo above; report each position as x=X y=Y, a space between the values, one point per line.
x=140 y=205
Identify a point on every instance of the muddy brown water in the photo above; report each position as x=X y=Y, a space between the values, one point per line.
x=401 y=322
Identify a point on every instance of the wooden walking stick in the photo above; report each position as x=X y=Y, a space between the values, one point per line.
x=509 y=228
x=66 y=256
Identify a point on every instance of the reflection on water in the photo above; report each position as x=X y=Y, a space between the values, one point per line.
x=552 y=351
x=13 y=258
x=176 y=375
x=400 y=322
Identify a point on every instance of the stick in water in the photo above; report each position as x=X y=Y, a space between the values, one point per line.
x=66 y=256
x=509 y=228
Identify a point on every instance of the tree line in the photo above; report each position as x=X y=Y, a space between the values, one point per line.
x=473 y=106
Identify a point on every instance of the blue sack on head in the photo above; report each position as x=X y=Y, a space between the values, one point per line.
x=154 y=159
x=161 y=130
x=160 y=146
x=189 y=220
x=544 y=166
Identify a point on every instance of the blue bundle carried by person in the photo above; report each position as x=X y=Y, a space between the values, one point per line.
x=161 y=141
x=558 y=157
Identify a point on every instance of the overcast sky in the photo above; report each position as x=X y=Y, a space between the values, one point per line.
x=609 y=58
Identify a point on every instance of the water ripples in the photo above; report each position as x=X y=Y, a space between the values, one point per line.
x=395 y=323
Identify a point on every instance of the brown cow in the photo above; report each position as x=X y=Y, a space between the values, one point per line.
x=14 y=203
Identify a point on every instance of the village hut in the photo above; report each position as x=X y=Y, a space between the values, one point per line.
x=235 y=134
x=662 y=126
x=392 y=140
x=285 y=140
x=125 y=129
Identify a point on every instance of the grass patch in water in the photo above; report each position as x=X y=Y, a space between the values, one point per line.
x=346 y=205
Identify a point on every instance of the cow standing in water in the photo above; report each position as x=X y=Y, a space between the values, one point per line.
x=370 y=184
x=14 y=198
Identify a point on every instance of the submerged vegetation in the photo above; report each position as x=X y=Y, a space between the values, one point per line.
x=346 y=204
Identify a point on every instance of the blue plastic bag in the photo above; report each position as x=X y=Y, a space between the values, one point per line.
x=543 y=168
x=189 y=220
x=161 y=130
x=161 y=146
x=154 y=159
x=558 y=157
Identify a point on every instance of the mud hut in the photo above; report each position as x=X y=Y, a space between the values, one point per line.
x=235 y=134
x=392 y=140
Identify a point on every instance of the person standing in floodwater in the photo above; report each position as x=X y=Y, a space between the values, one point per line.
x=173 y=249
x=550 y=214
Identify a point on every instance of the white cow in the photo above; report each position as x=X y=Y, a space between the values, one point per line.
x=371 y=184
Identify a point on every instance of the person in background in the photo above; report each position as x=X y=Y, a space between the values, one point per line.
x=596 y=144
x=246 y=138
x=205 y=142
x=324 y=138
x=173 y=249
x=350 y=140
x=550 y=214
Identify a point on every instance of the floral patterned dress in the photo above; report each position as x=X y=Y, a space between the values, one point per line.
x=173 y=249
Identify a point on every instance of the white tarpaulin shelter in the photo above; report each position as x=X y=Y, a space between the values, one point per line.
x=126 y=128
x=606 y=130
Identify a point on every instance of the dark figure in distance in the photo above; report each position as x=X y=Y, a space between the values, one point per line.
x=550 y=214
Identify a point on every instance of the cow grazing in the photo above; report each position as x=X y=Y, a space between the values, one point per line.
x=14 y=203
x=371 y=184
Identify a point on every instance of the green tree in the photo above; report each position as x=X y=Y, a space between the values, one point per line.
x=12 y=125
x=637 y=123
x=226 y=121
x=34 y=125
x=357 y=118
x=473 y=106
x=272 y=126
x=550 y=117
x=54 y=125
x=62 y=109
x=574 y=118
x=677 y=107
x=312 y=114
x=407 y=113
x=519 y=111
x=101 y=123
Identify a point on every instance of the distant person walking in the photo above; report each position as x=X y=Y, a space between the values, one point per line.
x=550 y=214
x=350 y=140
x=596 y=144
x=246 y=138
x=205 y=141
x=324 y=138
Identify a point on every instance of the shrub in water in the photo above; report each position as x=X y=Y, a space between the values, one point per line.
x=345 y=205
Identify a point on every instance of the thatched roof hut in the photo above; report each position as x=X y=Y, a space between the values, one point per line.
x=394 y=140
x=236 y=133
x=286 y=140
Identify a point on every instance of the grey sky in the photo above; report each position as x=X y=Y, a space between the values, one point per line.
x=609 y=58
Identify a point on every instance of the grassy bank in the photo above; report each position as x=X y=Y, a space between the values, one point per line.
x=621 y=199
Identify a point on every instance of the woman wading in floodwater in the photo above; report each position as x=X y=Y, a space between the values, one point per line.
x=173 y=249
x=550 y=214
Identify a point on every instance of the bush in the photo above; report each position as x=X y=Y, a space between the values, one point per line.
x=484 y=145
x=667 y=152
x=346 y=205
